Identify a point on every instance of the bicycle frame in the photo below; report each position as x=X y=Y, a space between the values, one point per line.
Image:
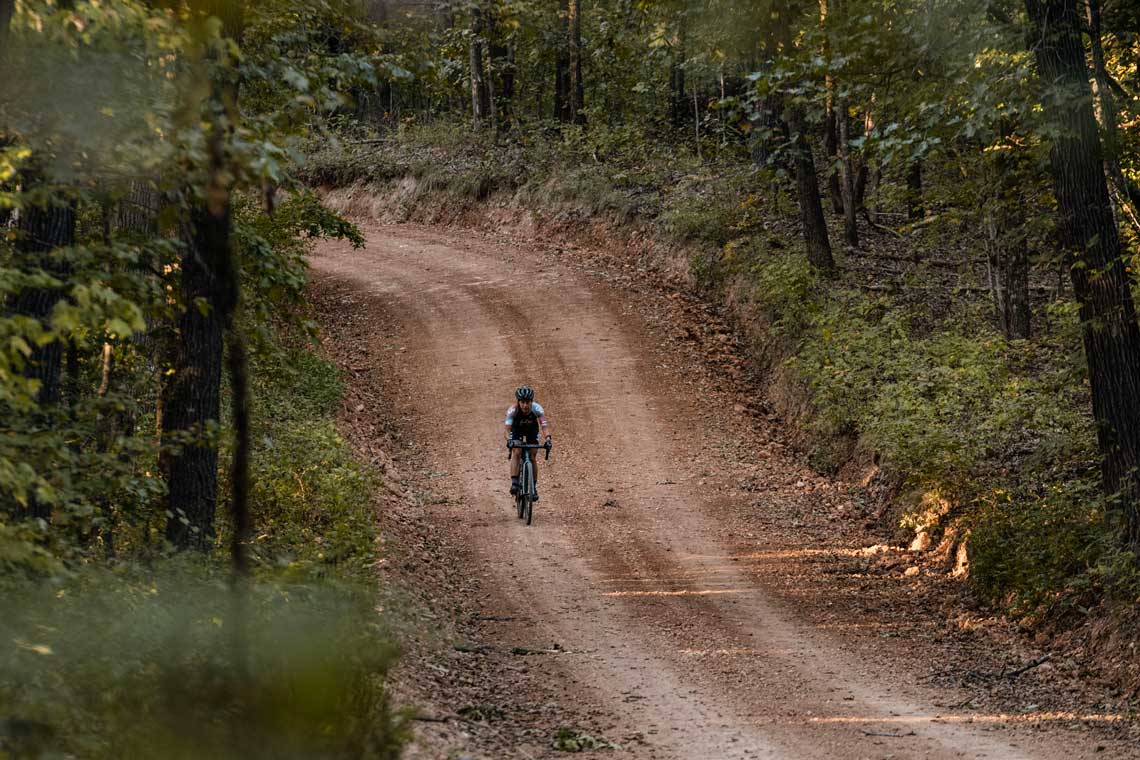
x=528 y=491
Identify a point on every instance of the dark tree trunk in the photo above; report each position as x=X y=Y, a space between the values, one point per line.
x=577 y=90
x=914 y=208
x=192 y=401
x=1092 y=246
x=7 y=8
x=562 y=67
x=811 y=208
x=503 y=64
x=830 y=131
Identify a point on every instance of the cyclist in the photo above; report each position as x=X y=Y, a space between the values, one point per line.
x=525 y=420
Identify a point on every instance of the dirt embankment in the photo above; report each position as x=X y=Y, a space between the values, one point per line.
x=691 y=588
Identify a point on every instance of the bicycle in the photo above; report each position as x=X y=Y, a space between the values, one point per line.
x=528 y=491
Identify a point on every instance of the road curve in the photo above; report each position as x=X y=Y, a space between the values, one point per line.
x=639 y=565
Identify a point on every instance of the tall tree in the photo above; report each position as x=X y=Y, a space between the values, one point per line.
x=480 y=86
x=192 y=406
x=577 y=88
x=1089 y=234
x=807 y=187
x=781 y=41
x=562 y=65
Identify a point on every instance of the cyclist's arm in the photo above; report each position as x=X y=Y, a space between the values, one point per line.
x=543 y=423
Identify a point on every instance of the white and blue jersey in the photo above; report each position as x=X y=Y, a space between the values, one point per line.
x=526 y=426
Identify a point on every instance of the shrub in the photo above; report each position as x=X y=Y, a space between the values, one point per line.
x=171 y=663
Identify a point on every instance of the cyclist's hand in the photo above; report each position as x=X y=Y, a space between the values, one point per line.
x=548 y=443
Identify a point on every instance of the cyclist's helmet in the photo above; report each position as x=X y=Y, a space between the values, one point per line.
x=525 y=393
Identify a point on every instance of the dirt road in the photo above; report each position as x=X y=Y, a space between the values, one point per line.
x=662 y=584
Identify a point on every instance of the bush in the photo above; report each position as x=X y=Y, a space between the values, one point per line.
x=311 y=500
x=172 y=663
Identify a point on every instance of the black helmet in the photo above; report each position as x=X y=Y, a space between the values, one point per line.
x=525 y=393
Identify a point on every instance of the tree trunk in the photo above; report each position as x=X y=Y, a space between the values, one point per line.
x=562 y=67
x=7 y=9
x=1007 y=257
x=480 y=98
x=811 y=208
x=1092 y=246
x=914 y=208
x=846 y=177
x=192 y=403
x=678 y=103
x=1108 y=116
x=830 y=133
x=577 y=87
x=192 y=400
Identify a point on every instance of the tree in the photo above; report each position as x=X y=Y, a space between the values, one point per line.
x=577 y=88
x=192 y=405
x=480 y=91
x=1091 y=241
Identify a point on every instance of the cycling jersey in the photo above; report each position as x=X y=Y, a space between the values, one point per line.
x=525 y=426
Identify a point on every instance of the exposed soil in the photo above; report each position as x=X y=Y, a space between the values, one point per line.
x=690 y=588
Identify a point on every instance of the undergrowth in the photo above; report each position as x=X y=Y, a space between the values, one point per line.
x=165 y=657
x=998 y=431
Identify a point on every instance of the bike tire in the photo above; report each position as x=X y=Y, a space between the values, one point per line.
x=529 y=492
x=520 y=504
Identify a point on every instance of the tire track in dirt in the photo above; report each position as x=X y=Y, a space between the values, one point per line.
x=657 y=600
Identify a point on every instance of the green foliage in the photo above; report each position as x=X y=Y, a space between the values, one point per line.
x=1047 y=551
x=311 y=499
x=172 y=663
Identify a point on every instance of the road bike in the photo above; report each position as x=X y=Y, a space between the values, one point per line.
x=528 y=490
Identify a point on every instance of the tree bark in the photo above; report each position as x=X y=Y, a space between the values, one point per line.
x=811 y=208
x=914 y=207
x=846 y=177
x=577 y=87
x=192 y=402
x=678 y=103
x=192 y=399
x=830 y=132
x=480 y=97
x=562 y=67
x=1094 y=253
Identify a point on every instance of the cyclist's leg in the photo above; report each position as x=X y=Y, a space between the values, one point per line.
x=516 y=458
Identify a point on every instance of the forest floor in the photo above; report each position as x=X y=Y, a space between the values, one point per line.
x=690 y=587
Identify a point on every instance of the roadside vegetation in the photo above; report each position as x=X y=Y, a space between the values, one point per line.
x=187 y=544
